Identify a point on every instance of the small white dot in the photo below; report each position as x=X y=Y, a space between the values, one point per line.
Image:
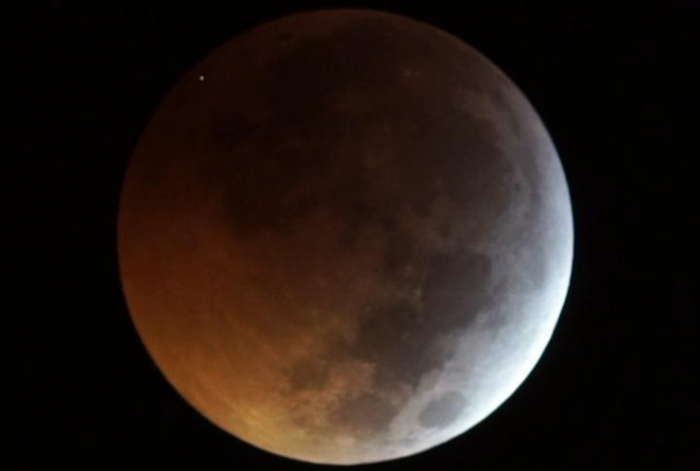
x=201 y=78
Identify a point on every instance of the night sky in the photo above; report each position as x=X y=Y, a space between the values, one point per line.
x=614 y=87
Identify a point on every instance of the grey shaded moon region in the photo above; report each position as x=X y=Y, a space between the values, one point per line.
x=345 y=237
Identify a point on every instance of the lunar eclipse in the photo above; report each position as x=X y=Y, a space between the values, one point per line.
x=345 y=237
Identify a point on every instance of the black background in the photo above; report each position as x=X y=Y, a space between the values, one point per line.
x=614 y=86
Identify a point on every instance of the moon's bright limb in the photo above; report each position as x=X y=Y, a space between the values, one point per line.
x=351 y=242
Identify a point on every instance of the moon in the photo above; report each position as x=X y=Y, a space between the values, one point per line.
x=345 y=237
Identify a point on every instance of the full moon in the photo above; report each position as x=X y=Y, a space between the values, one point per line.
x=345 y=237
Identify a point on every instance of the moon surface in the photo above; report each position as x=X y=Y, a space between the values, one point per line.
x=345 y=237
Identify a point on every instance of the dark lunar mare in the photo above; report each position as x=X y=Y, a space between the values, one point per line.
x=435 y=149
